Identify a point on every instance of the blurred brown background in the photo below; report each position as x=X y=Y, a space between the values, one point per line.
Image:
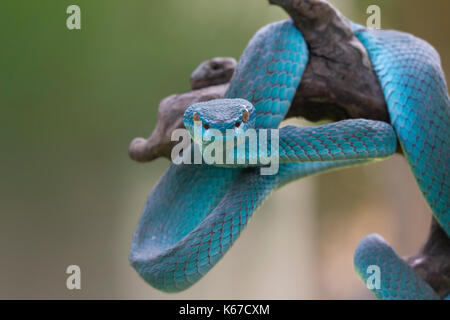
x=71 y=101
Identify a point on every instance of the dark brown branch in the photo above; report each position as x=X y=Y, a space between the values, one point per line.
x=170 y=117
x=338 y=83
x=209 y=81
x=432 y=262
x=213 y=72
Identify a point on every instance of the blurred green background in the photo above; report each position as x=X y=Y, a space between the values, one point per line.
x=70 y=103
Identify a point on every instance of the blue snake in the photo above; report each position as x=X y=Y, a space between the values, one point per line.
x=196 y=212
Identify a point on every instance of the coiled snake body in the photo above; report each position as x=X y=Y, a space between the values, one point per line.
x=196 y=212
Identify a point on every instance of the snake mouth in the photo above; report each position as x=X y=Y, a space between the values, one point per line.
x=230 y=138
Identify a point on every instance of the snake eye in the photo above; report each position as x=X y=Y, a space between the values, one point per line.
x=196 y=117
x=245 y=115
x=237 y=124
x=206 y=126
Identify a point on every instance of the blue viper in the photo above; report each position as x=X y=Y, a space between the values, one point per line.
x=196 y=212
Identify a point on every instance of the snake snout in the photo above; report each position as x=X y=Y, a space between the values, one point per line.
x=213 y=119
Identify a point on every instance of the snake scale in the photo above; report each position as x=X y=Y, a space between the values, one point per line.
x=196 y=212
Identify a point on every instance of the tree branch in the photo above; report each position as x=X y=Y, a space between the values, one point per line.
x=432 y=262
x=209 y=81
x=339 y=81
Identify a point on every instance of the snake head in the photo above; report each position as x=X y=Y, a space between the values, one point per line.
x=219 y=119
